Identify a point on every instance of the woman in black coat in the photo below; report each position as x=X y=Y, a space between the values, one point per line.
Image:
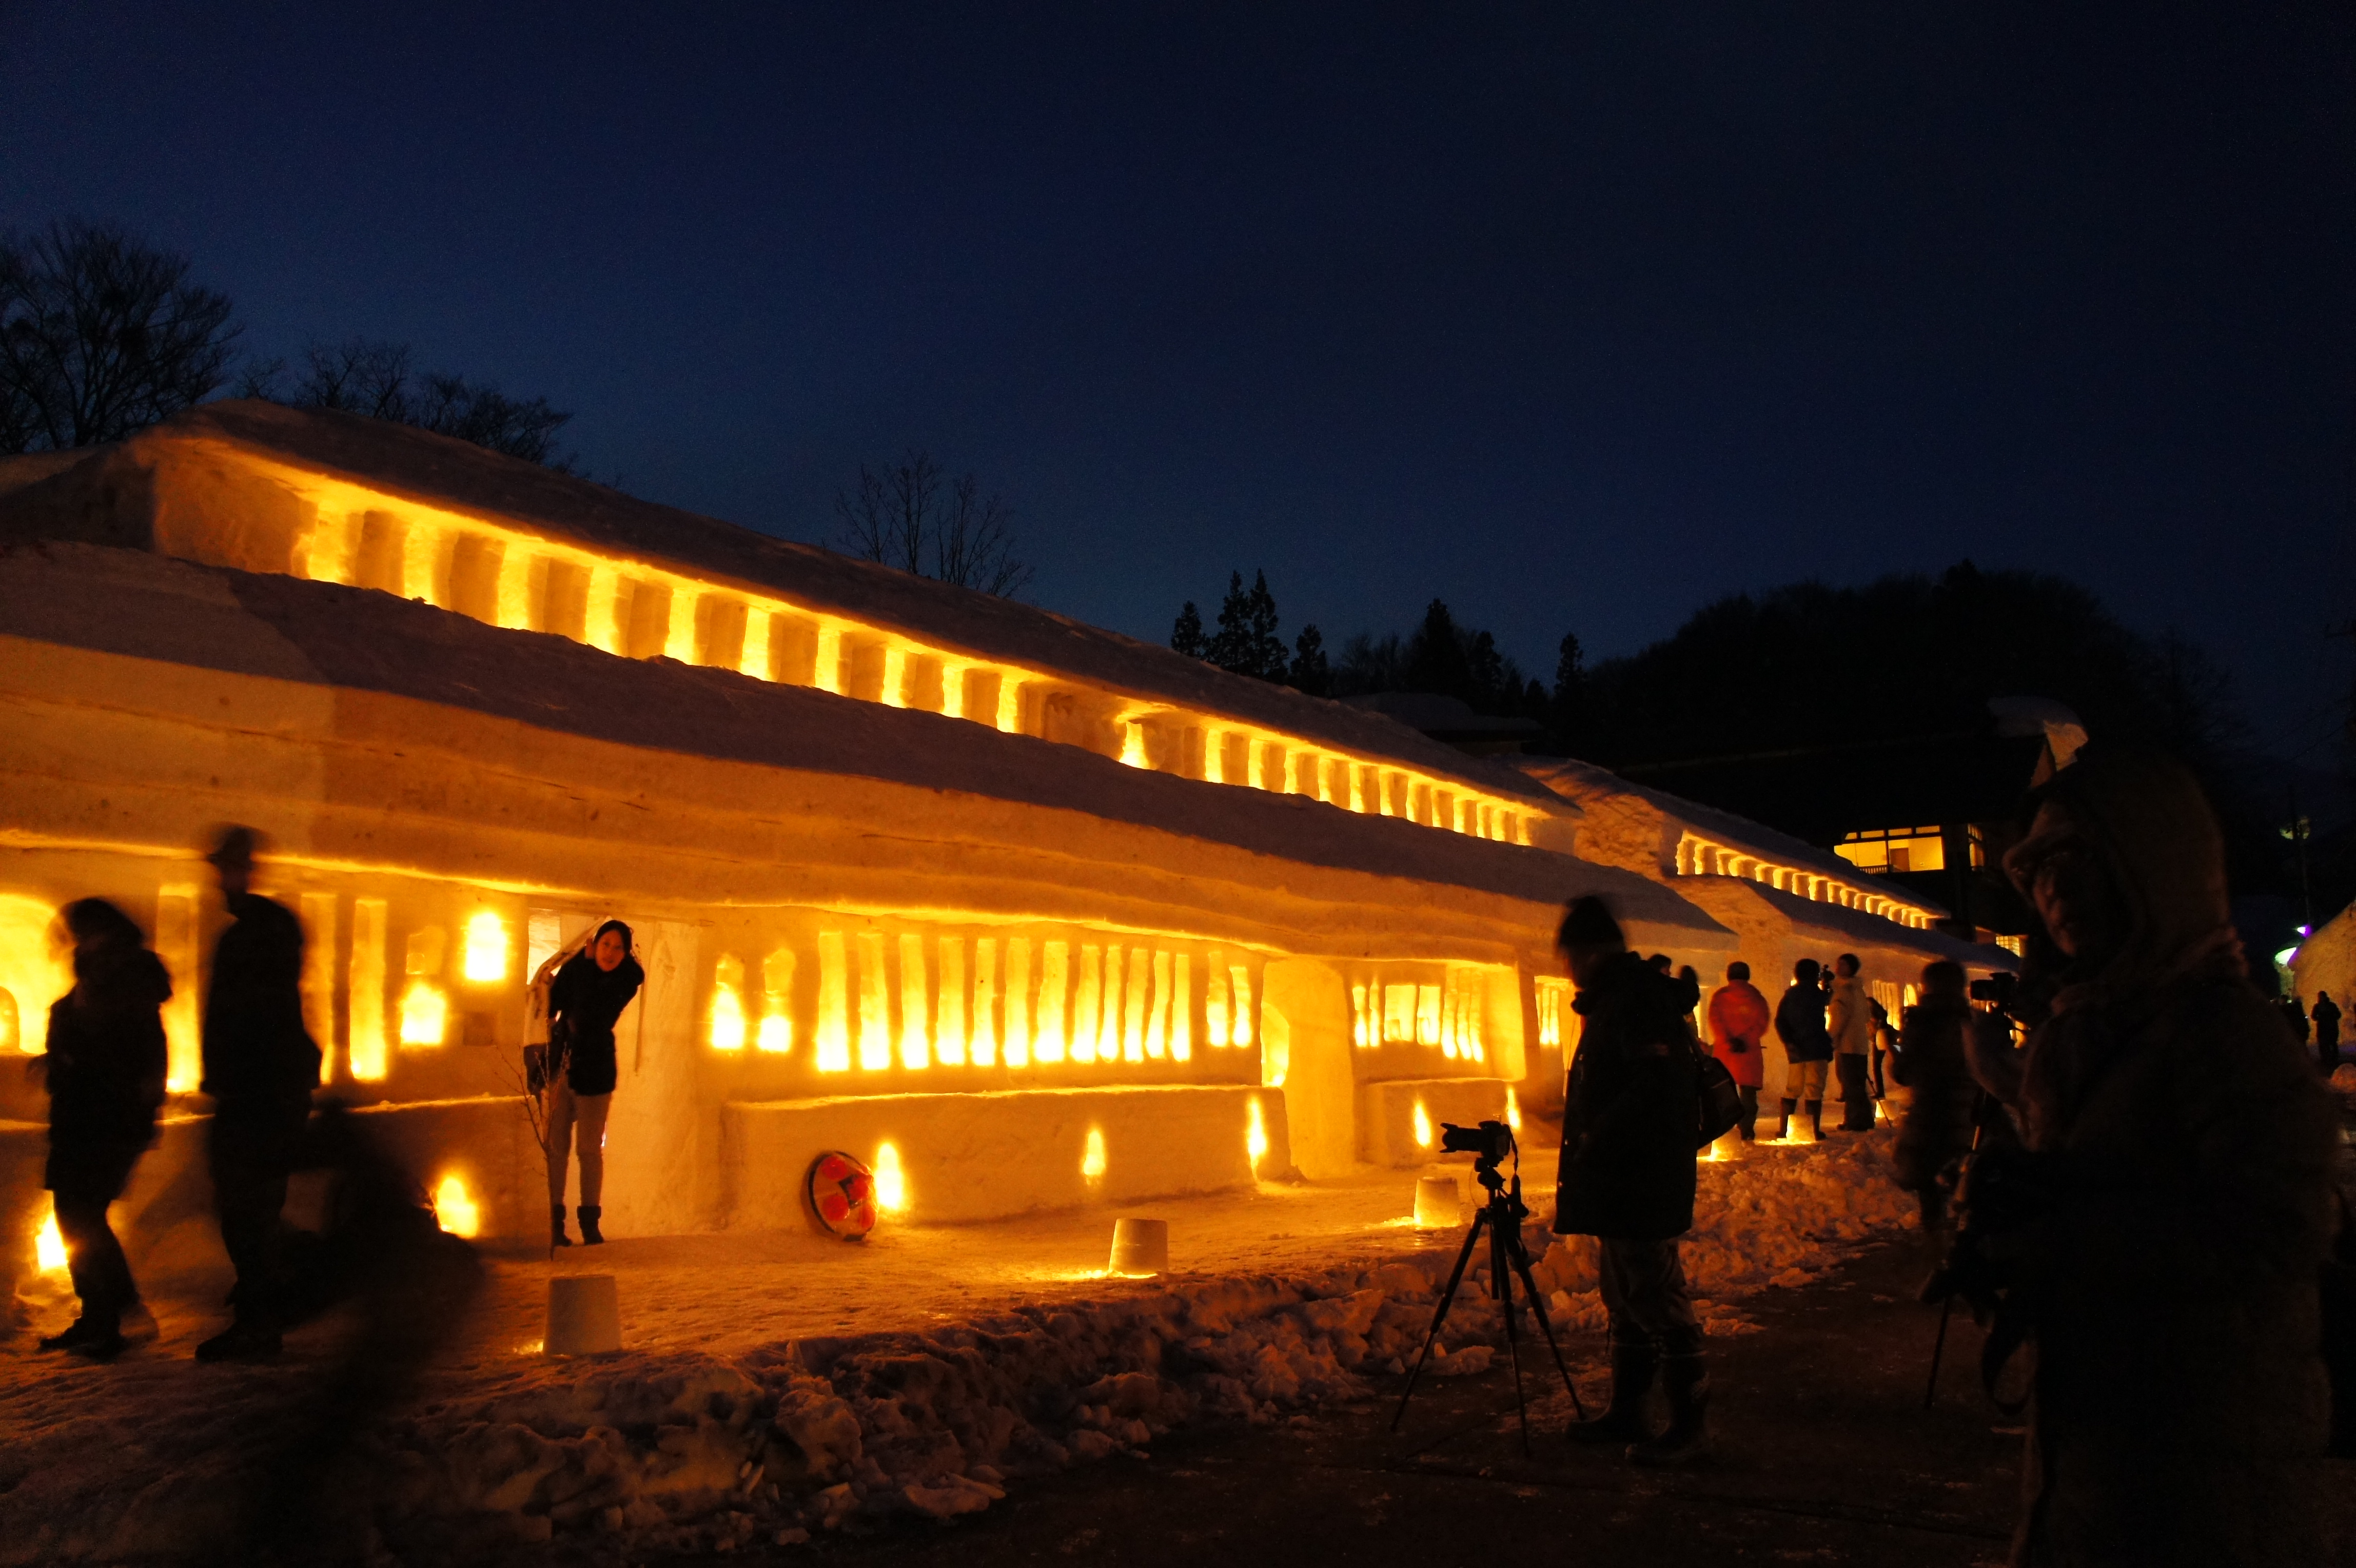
x=587 y=996
x=104 y=1067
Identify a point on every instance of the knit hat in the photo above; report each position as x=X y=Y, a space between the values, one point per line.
x=1587 y=923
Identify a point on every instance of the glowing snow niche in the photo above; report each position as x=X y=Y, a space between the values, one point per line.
x=891 y=1180
x=1422 y=1126
x=726 y=1029
x=454 y=1208
x=1255 y=1134
x=1092 y=1161
x=486 y=954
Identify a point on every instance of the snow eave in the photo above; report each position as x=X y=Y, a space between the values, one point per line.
x=455 y=475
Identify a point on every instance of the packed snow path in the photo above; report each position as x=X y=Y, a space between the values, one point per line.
x=776 y=1385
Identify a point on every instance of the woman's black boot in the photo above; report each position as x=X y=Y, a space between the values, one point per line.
x=590 y=1235
x=556 y=1235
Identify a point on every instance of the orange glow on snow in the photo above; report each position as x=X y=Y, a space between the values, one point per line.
x=1422 y=1126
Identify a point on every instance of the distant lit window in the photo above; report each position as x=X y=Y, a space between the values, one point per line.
x=1896 y=850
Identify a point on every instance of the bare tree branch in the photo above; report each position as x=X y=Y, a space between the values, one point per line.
x=101 y=336
x=900 y=517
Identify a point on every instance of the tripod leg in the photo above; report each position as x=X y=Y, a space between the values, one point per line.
x=1501 y=1274
x=1938 y=1348
x=1538 y=1311
x=1439 y=1314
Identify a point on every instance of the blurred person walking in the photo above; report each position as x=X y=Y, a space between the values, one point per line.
x=1807 y=1046
x=1627 y=1178
x=1738 y=1032
x=1931 y=1065
x=1849 y=1018
x=586 y=998
x=2179 y=1154
x=104 y=1067
x=2326 y=1031
x=260 y=1067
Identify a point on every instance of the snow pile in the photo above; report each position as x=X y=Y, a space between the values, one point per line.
x=1768 y=1218
x=690 y=1451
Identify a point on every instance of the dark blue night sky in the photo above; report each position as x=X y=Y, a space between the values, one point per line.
x=1578 y=317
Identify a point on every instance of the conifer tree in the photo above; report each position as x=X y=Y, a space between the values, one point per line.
x=1230 y=646
x=1186 y=636
x=1266 y=658
x=1309 y=671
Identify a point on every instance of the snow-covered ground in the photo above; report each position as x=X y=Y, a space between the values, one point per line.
x=779 y=1384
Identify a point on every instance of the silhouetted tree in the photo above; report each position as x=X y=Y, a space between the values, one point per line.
x=1309 y=671
x=901 y=517
x=1437 y=659
x=101 y=336
x=1565 y=714
x=1246 y=642
x=1371 y=664
x=378 y=379
x=1186 y=636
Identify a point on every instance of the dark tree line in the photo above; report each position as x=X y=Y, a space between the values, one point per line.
x=102 y=335
x=1248 y=640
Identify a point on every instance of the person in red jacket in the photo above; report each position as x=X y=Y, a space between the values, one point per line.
x=1738 y=1015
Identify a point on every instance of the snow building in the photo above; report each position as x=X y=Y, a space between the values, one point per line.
x=1059 y=916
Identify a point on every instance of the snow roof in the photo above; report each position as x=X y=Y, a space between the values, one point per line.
x=455 y=475
x=1840 y=926
x=326 y=634
x=1592 y=786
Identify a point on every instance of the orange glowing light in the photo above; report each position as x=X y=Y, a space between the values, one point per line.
x=1092 y=1162
x=1513 y=1109
x=891 y=1181
x=453 y=1210
x=1255 y=1134
x=1422 y=1126
x=486 y=958
x=48 y=1246
x=424 y=1015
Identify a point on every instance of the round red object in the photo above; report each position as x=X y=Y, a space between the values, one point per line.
x=841 y=1195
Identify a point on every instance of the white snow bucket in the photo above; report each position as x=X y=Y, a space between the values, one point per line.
x=1728 y=1145
x=1141 y=1247
x=1438 y=1205
x=584 y=1315
x=1803 y=1130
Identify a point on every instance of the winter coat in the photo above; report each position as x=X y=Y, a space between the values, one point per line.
x=106 y=1066
x=1849 y=1018
x=1629 y=1117
x=1737 y=1025
x=1800 y=1025
x=2180 y=1405
x=1931 y=1065
x=2327 y=1022
x=583 y=1005
x=255 y=1046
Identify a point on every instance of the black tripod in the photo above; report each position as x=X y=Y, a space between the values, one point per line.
x=1508 y=1260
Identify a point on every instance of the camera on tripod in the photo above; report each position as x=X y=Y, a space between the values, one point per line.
x=1488 y=1142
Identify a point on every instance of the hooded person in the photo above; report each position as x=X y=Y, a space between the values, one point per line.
x=104 y=1065
x=1941 y=1098
x=2168 y=1279
x=1629 y=1126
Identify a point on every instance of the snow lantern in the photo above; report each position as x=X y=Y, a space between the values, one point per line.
x=584 y=1315
x=454 y=1210
x=1141 y=1248
x=1437 y=1203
